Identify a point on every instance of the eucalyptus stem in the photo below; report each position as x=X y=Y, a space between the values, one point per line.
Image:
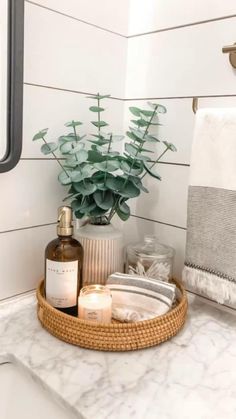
x=141 y=145
x=74 y=129
x=58 y=161
x=76 y=158
x=108 y=151
x=156 y=161
x=99 y=116
x=113 y=209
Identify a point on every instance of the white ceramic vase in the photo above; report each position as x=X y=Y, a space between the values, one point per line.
x=103 y=252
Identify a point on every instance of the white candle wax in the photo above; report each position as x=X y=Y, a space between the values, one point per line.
x=95 y=307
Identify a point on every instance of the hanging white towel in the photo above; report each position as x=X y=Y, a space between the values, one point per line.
x=210 y=261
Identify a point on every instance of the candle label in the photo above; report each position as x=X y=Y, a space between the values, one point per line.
x=61 y=283
x=93 y=315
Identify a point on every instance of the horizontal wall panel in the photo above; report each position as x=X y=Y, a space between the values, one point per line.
x=108 y=14
x=177 y=126
x=167 y=199
x=152 y=15
x=183 y=62
x=30 y=194
x=217 y=102
x=69 y=54
x=22 y=259
x=135 y=229
x=62 y=107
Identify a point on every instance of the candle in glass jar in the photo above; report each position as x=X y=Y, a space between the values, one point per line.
x=95 y=304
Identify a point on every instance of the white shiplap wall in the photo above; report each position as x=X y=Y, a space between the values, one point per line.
x=68 y=53
x=75 y=47
x=174 y=53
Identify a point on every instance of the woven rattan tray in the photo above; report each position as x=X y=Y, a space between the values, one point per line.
x=114 y=336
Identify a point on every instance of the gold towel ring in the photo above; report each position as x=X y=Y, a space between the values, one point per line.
x=195 y=104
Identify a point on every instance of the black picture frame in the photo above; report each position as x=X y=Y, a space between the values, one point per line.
x=15 y=63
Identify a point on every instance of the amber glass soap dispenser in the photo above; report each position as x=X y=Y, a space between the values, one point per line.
x=63 y=266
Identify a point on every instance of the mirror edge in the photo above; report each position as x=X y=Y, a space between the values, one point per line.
x=14 y=85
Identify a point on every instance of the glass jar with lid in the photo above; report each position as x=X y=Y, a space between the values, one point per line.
x=150 y=258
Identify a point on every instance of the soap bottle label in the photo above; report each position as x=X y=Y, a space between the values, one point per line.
x=61 y=283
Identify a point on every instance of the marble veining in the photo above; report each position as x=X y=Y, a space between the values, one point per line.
x=191 y=376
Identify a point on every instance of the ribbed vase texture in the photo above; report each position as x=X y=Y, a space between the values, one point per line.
x=103 y=252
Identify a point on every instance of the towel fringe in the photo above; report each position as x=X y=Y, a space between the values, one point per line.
x=209 y=285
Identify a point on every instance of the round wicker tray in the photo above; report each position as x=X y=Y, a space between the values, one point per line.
x=114 y=336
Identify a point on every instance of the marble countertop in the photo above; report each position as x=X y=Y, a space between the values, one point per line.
x=191 y=376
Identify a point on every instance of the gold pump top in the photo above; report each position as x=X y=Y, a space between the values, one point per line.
x=64 y=226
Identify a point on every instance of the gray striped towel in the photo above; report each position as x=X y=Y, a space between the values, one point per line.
x=136 y=298
x=210 y=261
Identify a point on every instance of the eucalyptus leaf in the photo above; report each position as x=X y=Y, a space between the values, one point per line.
x=85 y=187
x=135 y=111
x=101 y=186
x=114 y=183
x=97 y=148
x=157 y=107
x=151 y=138
x=140 y=122
x=70 y=163
x=95 y=156
x=132 y=136
x=127 y=168
x=97 y=96
x=64 y=178
x=104 y=200
x=129 y=190
x=88 y=205
x=75 y=205
x=156 y=123
x=76 y=137
x=138 y=133
x=65 y=138
x=96 y=109
x=123 y=210
x=40 y=134
x=97 y=212
x=123 y=206
x=99 y=124
x=147 y=113
x=70 y=138
x=78 y=214
x=99 y=142
x=99 y=175
x=137 y=182
x=48 y=148
x=132 y=150
x=77 y=148
x=81 y=156
x=99 y=136
x=65 y=148
x=112 y=154
x=80 y=174
x=107 y=166
x=121 y=215
x=73 y=123
x=146 y=150
x=151 y=173
x=124 y=187
x=170 y=146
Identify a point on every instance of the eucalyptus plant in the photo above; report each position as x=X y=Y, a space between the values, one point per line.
x=100 y=179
